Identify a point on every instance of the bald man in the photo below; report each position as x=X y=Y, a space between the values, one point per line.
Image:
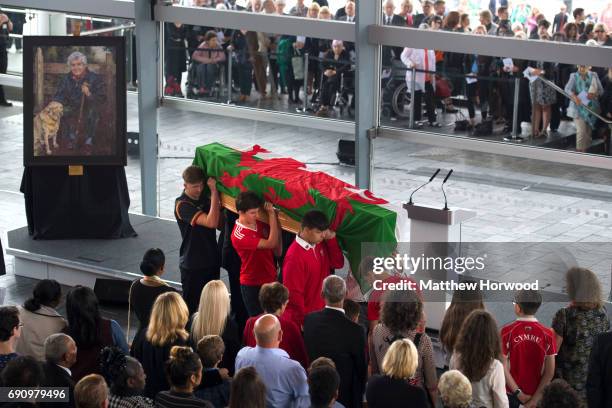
x=285 y=379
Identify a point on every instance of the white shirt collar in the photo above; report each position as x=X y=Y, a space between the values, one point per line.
x=244 y=226
x=65 y=369
x=301 y=242
x=527 y=319
x=336 y=308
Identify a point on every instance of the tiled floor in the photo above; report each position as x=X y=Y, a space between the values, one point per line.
x=516 y=199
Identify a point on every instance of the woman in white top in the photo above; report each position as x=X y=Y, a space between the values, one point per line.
x=40 y=319
x=476 y=356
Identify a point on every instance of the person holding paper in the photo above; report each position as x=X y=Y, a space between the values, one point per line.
x=585 y=88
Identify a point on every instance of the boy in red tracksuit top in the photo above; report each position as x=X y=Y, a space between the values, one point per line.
x=528 y=352
x=256 y=244
x=309 y=260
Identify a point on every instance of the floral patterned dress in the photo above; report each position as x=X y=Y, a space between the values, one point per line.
x=578 y=327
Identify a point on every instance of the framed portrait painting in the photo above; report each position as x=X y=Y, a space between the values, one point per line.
x=74 y=101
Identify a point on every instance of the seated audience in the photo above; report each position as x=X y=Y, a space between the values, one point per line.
x=285 y=379
x=60 y=355
x=329 y=333
x=576 y=325
x=90 y=331
x=455 y=390
x=208 y=56
x=184 y=372
x=335 y=64
x=462 y=304
x=91 y=392
x=309 y=260
x=166 y=329
x=599 y=377
x=144 y=291
x=393 y=387
x=528 y=351
x=126 y=378
x=215 y=384
x=248 y=390
x=476 y=355
x=10 y=330
x=323 y=384
x=39 y=318
x=559 y=394
x=402 y=311
x=274 y=298
x=213 y=318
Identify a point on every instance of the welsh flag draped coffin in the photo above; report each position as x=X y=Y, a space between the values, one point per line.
x=356 y=215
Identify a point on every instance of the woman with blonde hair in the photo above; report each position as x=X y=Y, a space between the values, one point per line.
x=313 y=10
x=213 y=318
x=166 y=329
x=393 y=388
x=325 y=13
x=577 y=325
x=455 y=390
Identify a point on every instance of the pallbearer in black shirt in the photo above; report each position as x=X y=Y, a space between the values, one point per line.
x=197 y=217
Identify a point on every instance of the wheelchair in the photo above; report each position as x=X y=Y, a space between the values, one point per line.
x=395 y=93
x=215 y=92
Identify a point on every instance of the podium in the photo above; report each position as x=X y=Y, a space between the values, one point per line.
x=434 y=224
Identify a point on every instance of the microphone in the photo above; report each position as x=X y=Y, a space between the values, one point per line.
x=443 y=192
x=433 y=176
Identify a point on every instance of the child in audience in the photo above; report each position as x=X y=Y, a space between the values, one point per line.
x=215 y=385
x=528 y=352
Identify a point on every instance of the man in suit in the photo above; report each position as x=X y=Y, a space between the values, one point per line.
x=391 y=19
x=427 y=6
x=329 y=333
x=60 y=354
x=560 y=20
x=599 y=393
x=347 y=13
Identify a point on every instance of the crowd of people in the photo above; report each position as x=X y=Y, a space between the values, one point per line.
x=274 y=65
x=292 y=338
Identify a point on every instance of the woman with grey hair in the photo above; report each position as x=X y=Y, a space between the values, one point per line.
x=126 y=378
x=455 y=390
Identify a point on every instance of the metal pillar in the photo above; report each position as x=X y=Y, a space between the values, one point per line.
x=367 y=89
x=514 y=137
x=147 y=56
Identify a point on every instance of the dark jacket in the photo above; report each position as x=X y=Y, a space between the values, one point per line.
x=55 y=376
x=599 y=392
x=329 y=333
x=341 y=65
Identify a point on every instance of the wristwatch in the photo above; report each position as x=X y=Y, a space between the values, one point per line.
x=516 y=392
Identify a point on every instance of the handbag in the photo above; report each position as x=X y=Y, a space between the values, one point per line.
x=297 y=64
x=443 y=87
x=461 y=124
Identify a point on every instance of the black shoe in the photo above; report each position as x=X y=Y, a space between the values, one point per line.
x=6 y=104
x=434 y=125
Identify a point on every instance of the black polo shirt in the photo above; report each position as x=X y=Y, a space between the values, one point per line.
x=199 y=247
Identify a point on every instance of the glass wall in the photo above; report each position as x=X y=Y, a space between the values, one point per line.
x=37 y=22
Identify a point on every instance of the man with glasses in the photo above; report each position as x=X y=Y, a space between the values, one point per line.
x=197 y=216
x=10 y=330
x=601 y=35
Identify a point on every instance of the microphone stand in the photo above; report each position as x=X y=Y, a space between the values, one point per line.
x=443 y=192
x=430 y=180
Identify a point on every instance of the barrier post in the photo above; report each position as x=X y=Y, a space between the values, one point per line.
x=229 y=75
x=305 y=101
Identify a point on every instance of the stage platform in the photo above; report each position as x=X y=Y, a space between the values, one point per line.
x=82 y=261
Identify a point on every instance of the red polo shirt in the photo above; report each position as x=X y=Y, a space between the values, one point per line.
x=304 y=269
x=257 y=265
x=526 y=343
